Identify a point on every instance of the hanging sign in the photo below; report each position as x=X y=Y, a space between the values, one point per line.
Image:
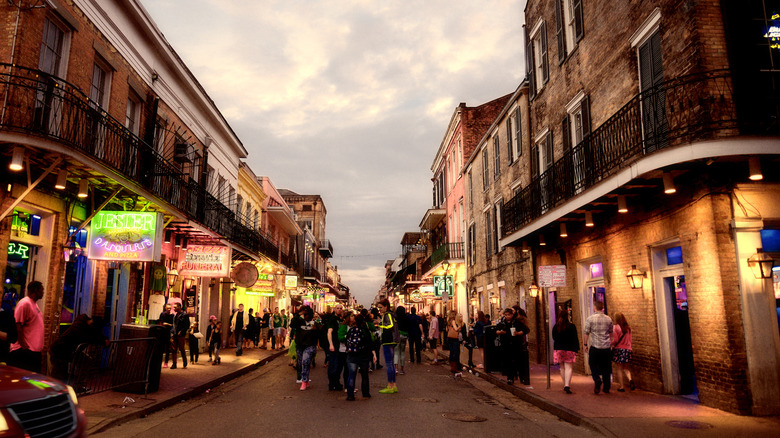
x=552 y=276
x=205 y=261
x=125 y=236
x=290 y=281
x=244 y=274
x=415 y=297
x=427 y=292
x=443 y=284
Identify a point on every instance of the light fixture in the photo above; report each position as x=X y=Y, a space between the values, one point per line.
x=177 y=241
x=563 y=230
x=62 y=179
x=635 y=277
x=669 y=184
x=185 y=242
x=17 y=160
x=533 y=290
x=588 y=219
x=525 y=246
x=167 y=238
x=188 y=282
x=754 y=163
x=761 y=263
x=494 y=299
x=622 y=206
x=173 y=275
x=446 y=267
x=83 y=188
x=541 y=240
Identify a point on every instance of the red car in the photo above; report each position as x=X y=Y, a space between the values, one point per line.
x=33 y=405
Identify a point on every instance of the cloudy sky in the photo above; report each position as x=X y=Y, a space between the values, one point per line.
x=348 y=99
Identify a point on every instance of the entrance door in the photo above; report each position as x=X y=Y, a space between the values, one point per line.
x=590 y=275
x=112 y=298
x=681 y=331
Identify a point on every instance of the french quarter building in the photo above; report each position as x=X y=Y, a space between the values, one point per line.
x=650 y=182
x=119 y=173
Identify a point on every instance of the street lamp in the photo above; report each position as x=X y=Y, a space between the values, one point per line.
x=533 y=290
x=635 y=277
x=761 y=264
x=173 y=275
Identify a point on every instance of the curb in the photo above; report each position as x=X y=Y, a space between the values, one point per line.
x=177 y=398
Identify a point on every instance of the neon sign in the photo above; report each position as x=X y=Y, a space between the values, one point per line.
x=205 y=261
x=443 y=284
x=125 y=235
x=19 y=250
x=773 y=33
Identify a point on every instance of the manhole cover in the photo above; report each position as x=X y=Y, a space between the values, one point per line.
x=689 y=424
x=423 y=399
x=463 y=417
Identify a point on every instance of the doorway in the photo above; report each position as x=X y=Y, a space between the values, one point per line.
x=590 y=277
x=682 y=332
x=115 y=309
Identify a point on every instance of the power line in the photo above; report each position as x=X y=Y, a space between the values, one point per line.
x=368 y=255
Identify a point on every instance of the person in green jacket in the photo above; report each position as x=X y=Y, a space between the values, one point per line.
x=389 y=336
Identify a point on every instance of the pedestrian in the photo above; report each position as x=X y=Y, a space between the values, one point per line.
x=524 y=369
x=307 y=331
x=181 y=325
x=276 y=319
x=335 y=366
x=566 y=344
x=469 y=341
x=453 y=342
x=285 y=324
x=479 y=335
x=389 y=337
x=193 y=336
x=239 y=323
x=265 y=324
x=433 y=336
x=26 y=352
x=375 y=323
x=360 y=352
x=415 y=336
x=209 y=329
x=598 y=332
x=166 y=320
x=215 y=341
x=425 y=326
x=621 y=351
x=399 y=355
x=8 y=333
x=252 y=330
x=511 y=331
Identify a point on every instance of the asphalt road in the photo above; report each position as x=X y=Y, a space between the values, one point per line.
x=268 y=402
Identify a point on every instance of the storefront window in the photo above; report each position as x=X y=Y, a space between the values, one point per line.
x=674 y=255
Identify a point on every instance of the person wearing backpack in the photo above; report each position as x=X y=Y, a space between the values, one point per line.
x=359 y=353
x=389 y=337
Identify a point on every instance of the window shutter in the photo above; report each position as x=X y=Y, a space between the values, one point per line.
x=545 y=70
x=579 y=28
x=534 y=158
x=518 y=132
x=548 y=144
x=559 y=32
x=509 y=139
x=529 y=65
x=488 y=232
x=496 y=157
x=485 y=169
x=565 y=134
x=585 y=108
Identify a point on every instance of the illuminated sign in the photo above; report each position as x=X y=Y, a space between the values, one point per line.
x=260 y=293
x=205 y=261
x=442 y=284
x=427 y=291
x=18 y=251
x=291 y=282
x=415 y=297
x=125 y=235
x=773 y=33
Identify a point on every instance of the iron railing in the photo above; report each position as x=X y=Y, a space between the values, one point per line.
x=447 y=251
x=38 y=104
x=125 y=362
x=676 y=112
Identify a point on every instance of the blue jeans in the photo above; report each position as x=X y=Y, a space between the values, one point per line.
x=389 y=351
x=354 y=363
x=306 y=354
x=399 y=357
x=335 y=366
x=454 y=345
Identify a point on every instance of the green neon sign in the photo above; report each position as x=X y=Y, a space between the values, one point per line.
x=20 y=250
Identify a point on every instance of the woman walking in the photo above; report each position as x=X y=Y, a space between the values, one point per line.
x=215 y=341
x=306 y=336
x=566 y=344
x=389 y=337
x=359 y=354
x=454 y=325
x=621 y=351
x=399 y=356
x=479 y=334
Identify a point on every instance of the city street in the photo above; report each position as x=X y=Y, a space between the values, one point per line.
x=268 y=401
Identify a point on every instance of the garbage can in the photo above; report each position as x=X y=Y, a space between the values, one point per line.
x=492 y=352
x=145 y=358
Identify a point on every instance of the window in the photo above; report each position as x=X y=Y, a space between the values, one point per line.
x=496 y=157
x=248 y=216
x=460 y=154
x=306 y=207
x=518 y=133
x=488 y=233
x=497 y=226
x=575 y=127
x=159 y=137
x=472 y=238
x=52 y=48
x=256 y=220
x=568 y=26
x=510 y=153
x=231 y=197
x=239 y=207
x=133 y=113
x=471 y=190
x=485 y=170
x=101 y=83
x=221 y=193
x=307 y=224
x=536 y=54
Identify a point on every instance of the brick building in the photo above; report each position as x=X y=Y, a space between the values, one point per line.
x=653 y=149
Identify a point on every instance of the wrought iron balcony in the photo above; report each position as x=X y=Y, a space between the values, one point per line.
x=326 y=249
x=448 y=251
x=41 y=105
x=676 y=112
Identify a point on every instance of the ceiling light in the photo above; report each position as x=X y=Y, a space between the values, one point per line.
x=754 y=163
x=83 y=188
x=62 y=179
x=17 y=160
x=563 y=230
x=669 y=184
x=588 y=219
x=541 y=241
x=622 y=207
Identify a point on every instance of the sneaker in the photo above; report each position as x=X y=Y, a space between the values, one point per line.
x=165 y=365
x=458 y=375
x=597 y=388
x=567 y=390
x=299 y=381
x=631 y=385
x=620 y=390
x=304 y=386
x=351 y=398
x=401 y=372
x=388 y=390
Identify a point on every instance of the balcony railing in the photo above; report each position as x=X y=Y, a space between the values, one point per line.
x=38 y=104
x=445 y=252
x=676 y=112
x=326 y=249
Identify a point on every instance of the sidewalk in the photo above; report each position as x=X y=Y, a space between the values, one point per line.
x=109 y=408
x=632 y=413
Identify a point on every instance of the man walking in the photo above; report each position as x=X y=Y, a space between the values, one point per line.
x=238 y=323
x=181 y=325
x=415 y=335
x=433 y=336
x=335 y=362
x=598 y=329
x=26 y=351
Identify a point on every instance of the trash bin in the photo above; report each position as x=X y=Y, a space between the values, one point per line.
x=492 y=352
x=154 y=351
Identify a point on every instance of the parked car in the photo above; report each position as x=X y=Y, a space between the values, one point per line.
x=33 y=405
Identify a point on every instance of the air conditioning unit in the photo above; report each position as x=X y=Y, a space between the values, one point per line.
x=182 y=153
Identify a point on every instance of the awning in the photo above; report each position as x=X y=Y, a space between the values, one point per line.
x=284 y=217
x=432 y=218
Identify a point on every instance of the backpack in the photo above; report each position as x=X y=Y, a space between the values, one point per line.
x=355 y=340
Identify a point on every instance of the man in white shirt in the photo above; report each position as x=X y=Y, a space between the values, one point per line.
x=598 y=329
